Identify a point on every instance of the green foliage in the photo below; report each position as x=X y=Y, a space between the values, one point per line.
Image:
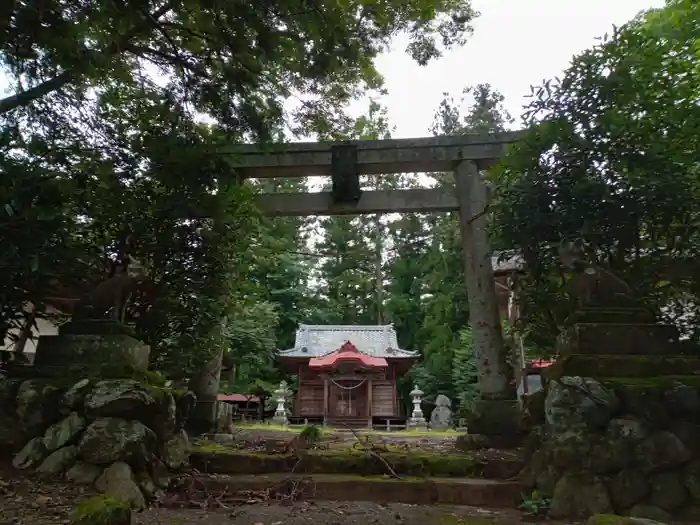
x=610 y=160
x=101 y=510
x=311 y=434
x=465 y=371
x=236 y=61
x=536 y=504
x=93 y=149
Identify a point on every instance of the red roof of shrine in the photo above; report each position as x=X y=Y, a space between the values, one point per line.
x=348 y=352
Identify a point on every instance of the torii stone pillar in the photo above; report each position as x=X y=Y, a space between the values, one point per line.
x=496 y=413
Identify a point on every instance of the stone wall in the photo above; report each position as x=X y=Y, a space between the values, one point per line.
x=625 y=446
x=122 y=435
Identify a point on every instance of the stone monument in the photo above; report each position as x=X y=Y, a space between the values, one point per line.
x=441 y=416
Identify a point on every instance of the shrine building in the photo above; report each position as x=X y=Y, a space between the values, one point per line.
x=347 y=374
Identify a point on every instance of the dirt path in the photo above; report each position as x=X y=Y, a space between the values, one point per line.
x=333 y=513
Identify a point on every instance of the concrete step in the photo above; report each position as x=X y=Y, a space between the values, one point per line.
x=494 y=464
x=453 y=491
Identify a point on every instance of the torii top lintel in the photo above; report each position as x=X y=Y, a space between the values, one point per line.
x=433 y=154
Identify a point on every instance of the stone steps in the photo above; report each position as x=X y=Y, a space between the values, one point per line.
x=491 y=464
x=624 y=365
x=618 y=338
x=447 y=491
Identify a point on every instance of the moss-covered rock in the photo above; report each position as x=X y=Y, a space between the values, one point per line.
x=668 y=491
x=130 y=399
x=83 y=473
x=31 y=454
x=579 y=403
x=662 y=450
x=113 y=439
x=580 y=496
x=118 y=481
x=73 y=399
x=176 y=451
x=64 y=432
x=101 y=510
x=37 y=405
x=627 y=488
x=58 y=462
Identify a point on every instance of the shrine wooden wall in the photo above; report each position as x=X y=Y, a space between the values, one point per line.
x=309 y=401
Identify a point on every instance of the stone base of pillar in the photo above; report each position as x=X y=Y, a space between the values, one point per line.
x=280 y=418
x=499 y=421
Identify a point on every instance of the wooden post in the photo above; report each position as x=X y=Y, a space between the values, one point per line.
x=369 y=402
x=325 y=400
x=297 y=401
x=483 y=308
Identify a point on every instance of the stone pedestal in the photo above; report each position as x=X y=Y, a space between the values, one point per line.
x=619 y=343
x=618 y=338
x=498 y=421
x=89 y=347
x=224 y=417
x=205 y=383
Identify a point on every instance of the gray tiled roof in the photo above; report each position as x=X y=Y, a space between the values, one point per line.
x=505 y=263
x=319 y=340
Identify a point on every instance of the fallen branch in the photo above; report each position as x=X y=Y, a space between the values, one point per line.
x=372 y=451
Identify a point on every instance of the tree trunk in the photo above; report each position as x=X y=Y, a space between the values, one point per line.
x=205 y=384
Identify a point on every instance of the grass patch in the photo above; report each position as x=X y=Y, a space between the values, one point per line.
x=222 y=459
x=101 y=510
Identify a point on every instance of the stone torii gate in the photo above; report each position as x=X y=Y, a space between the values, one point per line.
x=466 y=156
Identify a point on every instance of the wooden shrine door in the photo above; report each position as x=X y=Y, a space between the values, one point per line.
x=349 y=399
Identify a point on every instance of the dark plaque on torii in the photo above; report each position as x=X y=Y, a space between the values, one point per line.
x=344 y=174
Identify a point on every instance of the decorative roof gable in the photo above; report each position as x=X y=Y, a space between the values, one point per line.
x=319 y=340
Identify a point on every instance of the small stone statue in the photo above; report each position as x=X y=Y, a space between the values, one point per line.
x=592 y=284
x=441 y=416
x=111 y=297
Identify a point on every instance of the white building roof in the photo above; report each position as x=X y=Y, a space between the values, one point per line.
x=320 y=340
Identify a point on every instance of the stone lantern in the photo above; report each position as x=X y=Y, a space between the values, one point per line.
x=417 y=419
x=281 y=394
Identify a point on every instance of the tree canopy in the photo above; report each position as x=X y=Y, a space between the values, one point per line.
x=610 y=159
